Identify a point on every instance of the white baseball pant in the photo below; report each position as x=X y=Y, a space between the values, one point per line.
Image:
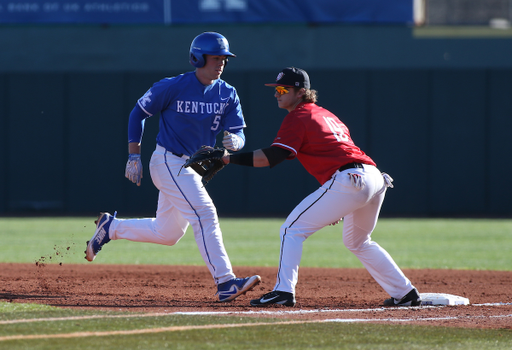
x=358 y=203
x=182 y=200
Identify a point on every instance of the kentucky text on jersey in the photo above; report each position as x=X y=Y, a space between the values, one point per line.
x=194 y=107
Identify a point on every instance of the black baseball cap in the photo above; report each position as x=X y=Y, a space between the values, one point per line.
x=292 y=77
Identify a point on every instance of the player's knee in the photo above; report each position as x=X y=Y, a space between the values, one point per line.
x=285 y=231
x=354 y=245
x=171 y=241
x=167 y=238
x=294 y=233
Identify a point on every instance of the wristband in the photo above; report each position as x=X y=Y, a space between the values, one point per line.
x=245 y=158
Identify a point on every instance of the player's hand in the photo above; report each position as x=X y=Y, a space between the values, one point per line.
x=232 y=142
x=134 y=169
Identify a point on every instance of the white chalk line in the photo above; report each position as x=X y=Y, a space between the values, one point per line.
x=196 y=313
x=201 y=313
x=219 y=326
x=250 y=313
x=414 y=319
x=292 y=312
x=261 y=312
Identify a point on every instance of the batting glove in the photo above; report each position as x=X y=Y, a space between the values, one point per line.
x=134 y=169
x=232 y=142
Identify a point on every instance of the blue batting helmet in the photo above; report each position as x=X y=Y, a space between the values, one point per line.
x=208 y=43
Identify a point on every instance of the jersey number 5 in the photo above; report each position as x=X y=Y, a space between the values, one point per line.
x=336 y=129
x=216 y=123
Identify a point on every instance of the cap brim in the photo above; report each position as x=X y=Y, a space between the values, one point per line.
x=274 y=84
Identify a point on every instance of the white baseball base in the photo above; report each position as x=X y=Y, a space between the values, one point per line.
x=442 y=299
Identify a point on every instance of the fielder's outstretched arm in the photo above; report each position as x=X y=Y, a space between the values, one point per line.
x=259 y=158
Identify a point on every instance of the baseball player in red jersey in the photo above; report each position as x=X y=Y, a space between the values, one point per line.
x=352 y=189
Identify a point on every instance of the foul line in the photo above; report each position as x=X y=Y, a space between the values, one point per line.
x=206 y=313
x=218 y=326
x=194 y=313
x=414 y=319
x=203 y=313
x=259 y=312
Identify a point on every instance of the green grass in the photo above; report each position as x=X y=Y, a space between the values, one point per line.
x=324 y=335
x=425 y=243
x=482 y=244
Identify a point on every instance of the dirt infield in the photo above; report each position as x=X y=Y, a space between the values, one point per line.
x=344 y=294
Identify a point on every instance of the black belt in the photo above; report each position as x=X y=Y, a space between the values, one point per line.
x=350 y=166
x=178 y=154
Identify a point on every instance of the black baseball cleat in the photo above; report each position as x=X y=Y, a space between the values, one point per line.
x=411 y=299
x=275 y=297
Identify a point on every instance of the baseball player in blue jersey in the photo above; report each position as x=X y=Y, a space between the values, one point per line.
x=194 y=107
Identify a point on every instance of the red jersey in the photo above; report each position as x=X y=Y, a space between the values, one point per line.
x=320 y=141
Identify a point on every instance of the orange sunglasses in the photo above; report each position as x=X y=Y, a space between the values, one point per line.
x=281 y=90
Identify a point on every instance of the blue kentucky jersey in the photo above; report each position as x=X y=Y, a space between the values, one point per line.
x=191 y=114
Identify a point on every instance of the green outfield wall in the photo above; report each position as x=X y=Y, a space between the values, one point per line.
x=433 y=109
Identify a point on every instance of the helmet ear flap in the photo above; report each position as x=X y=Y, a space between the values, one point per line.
x=196 y=60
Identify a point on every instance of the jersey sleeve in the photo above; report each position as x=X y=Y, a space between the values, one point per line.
x=290 y=135
x=234 y=120
x=151 y=103
x=157 y=97
x=136 y=124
